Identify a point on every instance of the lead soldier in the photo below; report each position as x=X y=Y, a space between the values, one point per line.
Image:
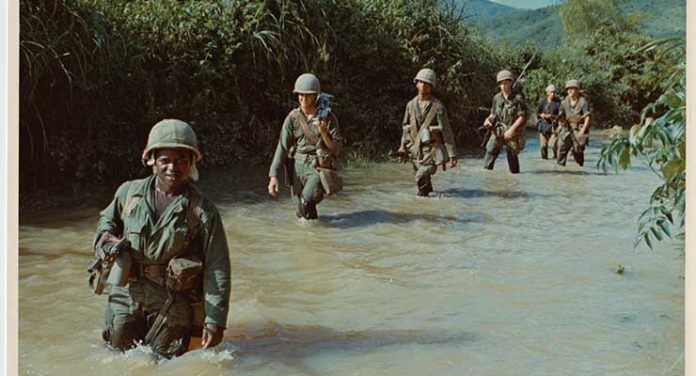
x=171 y=278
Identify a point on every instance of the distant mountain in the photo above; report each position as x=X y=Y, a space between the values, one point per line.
x=544 y=28
x=476 y=10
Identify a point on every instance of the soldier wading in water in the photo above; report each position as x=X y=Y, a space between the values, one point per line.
x=506 y=124
x=161 y=247
x=309 y=142
x=574 y=119
x=427 y=134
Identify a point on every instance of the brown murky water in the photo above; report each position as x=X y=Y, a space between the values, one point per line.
x=497 y=275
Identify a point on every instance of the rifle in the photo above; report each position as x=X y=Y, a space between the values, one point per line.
x=103 y=261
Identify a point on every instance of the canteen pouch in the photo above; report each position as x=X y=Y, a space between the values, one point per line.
x=330 y=180
x=182 y=273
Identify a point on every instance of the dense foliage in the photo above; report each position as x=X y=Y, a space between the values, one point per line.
x=96 y=75
x=659 y=141
x=543 y=27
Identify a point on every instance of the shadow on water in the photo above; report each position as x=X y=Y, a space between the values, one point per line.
x=370 y=217
x=291 y=344
x=473 y=193
x=565 y=172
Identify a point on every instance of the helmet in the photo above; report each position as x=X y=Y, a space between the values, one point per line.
x=307 y=84
x=573 y=83
x=171 y=134
x=426 y=75
x=504 y=75
x=551 y=88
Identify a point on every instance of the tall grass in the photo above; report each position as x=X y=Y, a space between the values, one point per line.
x=97 y=74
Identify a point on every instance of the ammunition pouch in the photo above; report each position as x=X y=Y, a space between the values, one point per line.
x=330 y=180
x=182 y=273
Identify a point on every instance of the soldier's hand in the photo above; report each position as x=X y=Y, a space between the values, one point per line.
x=487 y=123
x=402 y=149
x=212 y=335
x=508 y=135
x=323 y=126
x=453 y=162
x=273 y=186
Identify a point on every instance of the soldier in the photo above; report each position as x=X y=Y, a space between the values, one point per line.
x=307 y=145
x=427 y=133
x=173 y=230
x=574 y=119
x=547 y=111
x=506 y=124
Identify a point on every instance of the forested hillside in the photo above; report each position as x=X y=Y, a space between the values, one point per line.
x=543 y=27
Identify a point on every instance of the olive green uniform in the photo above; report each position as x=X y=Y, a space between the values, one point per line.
x=426 y=155
x=154 y=242
x=505 y=112
x=572 y=118
x=294 y=144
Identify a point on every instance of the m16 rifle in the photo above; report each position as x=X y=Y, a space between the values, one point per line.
x=110 y=265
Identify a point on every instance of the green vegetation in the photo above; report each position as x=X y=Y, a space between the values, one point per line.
x=544 y=28
x=659 y=141
x=96 y=75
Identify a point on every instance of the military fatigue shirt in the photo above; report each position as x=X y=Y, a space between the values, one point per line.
x=547 y=107
x=293 y=140
x=440 y=120
x=576 y=113
x=156 y=241
x=506 y=111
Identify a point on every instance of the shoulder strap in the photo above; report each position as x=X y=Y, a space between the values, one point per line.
x=429 y=117
x=300 y=118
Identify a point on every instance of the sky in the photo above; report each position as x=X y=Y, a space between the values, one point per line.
x=527 y=4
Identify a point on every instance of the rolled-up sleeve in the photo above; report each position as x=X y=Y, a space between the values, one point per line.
x=216 y=273
x=284 y=144
x=110 y=218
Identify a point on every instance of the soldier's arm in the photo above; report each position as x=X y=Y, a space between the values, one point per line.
x=284 y=144
x=447 y=134
x=587 y=116
x=488 y=121
x=521 y=115
x=110 y=221
x=332 y=136
x=405 y=134
x=216 y=272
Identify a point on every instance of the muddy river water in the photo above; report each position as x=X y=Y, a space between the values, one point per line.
x=498 y=274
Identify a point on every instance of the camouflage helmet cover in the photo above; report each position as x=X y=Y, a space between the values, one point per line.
x=504 y=75
x=307 y=83
x=573 y=83
x=171 y=134
x=426 y=75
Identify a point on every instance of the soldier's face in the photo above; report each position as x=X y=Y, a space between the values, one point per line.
x=573 y=92
x=506 y=85
x=551 y=94
x=424 y=87
x=307 y=100
x=173 y=166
